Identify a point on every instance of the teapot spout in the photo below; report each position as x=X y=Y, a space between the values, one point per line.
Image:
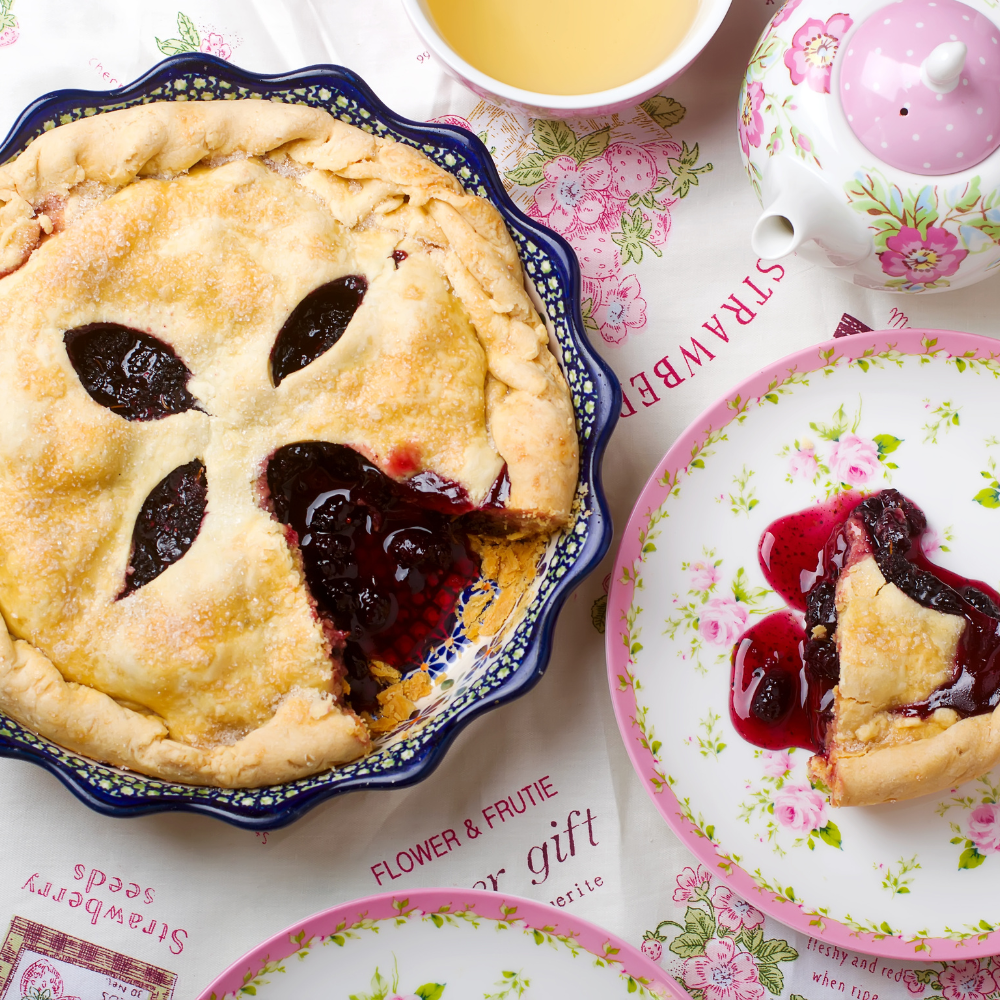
x=799 y=208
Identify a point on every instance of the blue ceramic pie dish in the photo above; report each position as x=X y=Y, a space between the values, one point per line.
x=498 y=672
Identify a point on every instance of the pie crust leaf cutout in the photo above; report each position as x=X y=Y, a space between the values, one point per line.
x=132 y=373
x=167 y=525
x=316 y=324
x=893 y=679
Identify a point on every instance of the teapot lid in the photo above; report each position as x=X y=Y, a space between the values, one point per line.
x=920 y=85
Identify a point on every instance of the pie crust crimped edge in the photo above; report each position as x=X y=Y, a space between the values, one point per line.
x=529 y=412
x=962 y=752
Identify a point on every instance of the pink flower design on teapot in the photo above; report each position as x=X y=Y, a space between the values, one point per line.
x=813 y=48
x=922 y=259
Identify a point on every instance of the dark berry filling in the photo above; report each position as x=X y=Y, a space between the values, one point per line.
x=499 y=492
x=385 y=561
x=398 y=256
x=167 y=525
x=132 y=373
x=316 y=324
x=772 y=703
x=802 y=556
x=364 y=687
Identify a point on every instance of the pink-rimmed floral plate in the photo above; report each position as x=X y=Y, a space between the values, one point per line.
x=443 y=944
x=914 y=409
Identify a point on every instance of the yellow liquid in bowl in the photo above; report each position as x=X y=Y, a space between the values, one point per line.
x=564 y=46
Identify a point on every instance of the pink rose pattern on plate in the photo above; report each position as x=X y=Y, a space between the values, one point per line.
x=803 y=464
x=930 y=543
x=984 y=828
x=723 y=621
x=979 y=835
x=713 y=622
x=720 y=950
x=853 y=462
x=610 y=193
x=782 y=807
x=704 y=575
x=776 y=762
x=800 y=808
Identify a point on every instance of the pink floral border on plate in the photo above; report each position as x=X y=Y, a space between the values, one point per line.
x=792 y=913
x=489 y=905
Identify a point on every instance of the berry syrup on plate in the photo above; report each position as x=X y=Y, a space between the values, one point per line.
x=785 y=667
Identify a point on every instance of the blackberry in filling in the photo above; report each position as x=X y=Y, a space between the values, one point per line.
x=130 y=372
x=784 y=673
x=140 y=377
x=385 y=561
x=167 y=525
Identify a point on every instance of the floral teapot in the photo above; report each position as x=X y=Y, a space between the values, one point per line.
x=871 y=140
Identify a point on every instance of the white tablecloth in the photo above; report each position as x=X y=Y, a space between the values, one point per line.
x=220 y=890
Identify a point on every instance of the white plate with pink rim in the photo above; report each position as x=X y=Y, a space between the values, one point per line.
x=915 y=410
x=443 y=944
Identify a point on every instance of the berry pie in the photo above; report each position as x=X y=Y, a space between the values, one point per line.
x=895 y=680
x=274 y=396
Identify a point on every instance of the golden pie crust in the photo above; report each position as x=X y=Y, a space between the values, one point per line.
x=205 y=224
x=895 y=652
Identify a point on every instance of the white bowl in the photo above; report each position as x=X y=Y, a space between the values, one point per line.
x=706 y=22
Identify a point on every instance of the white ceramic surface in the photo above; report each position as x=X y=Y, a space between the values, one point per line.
x=828 y=197
x=707 y=20
x=916 y=410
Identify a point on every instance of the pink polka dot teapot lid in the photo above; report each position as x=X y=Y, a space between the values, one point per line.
x=870 y=133
x=920 y=85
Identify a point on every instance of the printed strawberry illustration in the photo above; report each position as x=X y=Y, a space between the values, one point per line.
x=41 y=981
x=633 y=170
x=652 y=946
x=8 y=24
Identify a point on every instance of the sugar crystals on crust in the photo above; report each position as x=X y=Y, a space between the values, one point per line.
x=202 y=228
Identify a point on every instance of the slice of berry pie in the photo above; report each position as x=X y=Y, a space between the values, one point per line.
x=269 y=384
x=896 y=679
